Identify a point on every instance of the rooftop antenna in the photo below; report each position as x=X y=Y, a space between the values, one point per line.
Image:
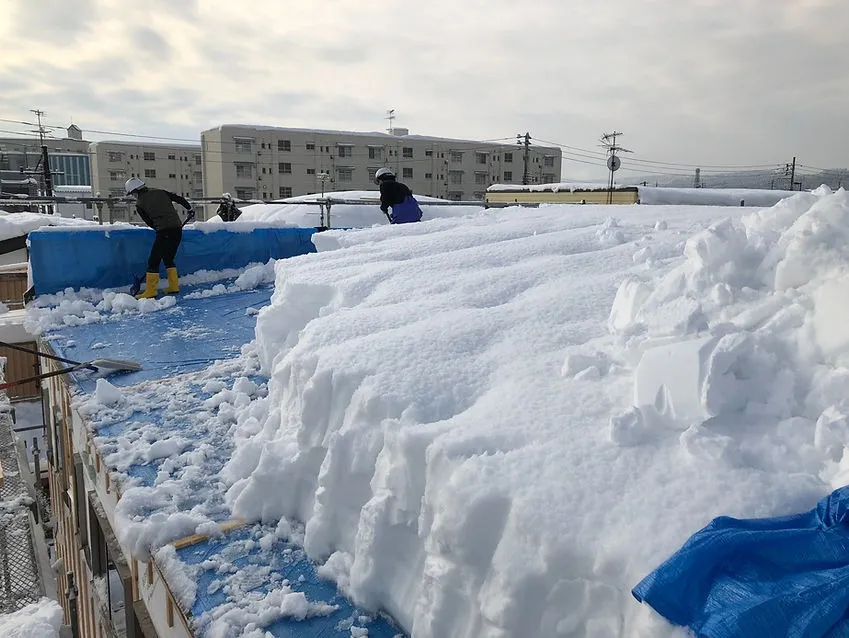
x=390 y=115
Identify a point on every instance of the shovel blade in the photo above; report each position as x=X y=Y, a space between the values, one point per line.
x=116 y=364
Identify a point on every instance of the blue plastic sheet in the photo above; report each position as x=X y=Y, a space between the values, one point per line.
x=184 y=338
x=288 y=563
x=109 y=258
x=786 y=576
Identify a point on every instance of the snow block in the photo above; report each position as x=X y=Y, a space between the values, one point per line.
x=99 y=258
x=785 y=576
x=671 y=379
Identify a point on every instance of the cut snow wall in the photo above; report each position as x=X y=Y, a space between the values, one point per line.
x=108 y=258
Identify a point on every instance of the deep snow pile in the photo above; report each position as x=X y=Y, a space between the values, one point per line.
x=456 y=424
x=296 y=212
x=39 y=620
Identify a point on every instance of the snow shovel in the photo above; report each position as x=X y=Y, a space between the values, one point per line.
x=95 y=364
x=15 y=346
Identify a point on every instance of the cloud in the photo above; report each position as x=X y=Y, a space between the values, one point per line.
x=688 y=82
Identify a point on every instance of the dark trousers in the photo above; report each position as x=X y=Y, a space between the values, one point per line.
x=164 y=248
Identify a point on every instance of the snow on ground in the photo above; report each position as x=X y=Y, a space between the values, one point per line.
x=496 y=425
x=296 y=212
x=38 y=620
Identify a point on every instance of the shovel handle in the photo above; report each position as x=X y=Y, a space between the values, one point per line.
x=14 y=346
x=39 y=377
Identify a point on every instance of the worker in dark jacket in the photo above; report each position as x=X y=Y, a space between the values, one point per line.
x=155 y=207
x=405 y=208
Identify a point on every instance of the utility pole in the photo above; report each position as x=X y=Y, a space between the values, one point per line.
x=608 y=141
x=526 y=140
x=45 y=161
x=790 y=171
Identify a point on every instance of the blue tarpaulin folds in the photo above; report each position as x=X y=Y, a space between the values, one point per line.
x=110 y=257
x=786 y=576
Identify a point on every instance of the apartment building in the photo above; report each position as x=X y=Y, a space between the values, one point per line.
x=261 y=162
x=175 y=167
x=20 y=157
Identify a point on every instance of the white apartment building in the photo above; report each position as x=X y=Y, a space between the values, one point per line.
x=174 y=167
x=263 y=162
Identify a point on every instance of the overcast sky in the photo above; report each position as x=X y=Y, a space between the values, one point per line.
x=688 y=82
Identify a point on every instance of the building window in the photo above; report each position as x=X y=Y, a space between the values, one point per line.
x=428 y=175
x=172 y=176
x=244 y=193
x=455 y=177
x=455 y=196
x=345 y=174
x=310 y=146
x=284 y=168
x=243 y=144
x=375 y=153
x=244 y=170
x=548 y=178
x=456 y=156
x=117 y=176
x=149 y=156
x=345 y=151
x=115 y=156
x=408 y=152
x=548 y=161
x=508 y=176
x=285 y=191
x=198 y=177
x=284 y=145
x=371 y=173
x=407 y=173
x=428 y=153
x=150 y=172
x=310 y=171
x=508 y=158
x=480 y=178
x=198 y=160
x=478 y=195
x=172 y=156
x=480 y=158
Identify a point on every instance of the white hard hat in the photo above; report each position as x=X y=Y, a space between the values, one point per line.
x=383 y=173
x=132 y=185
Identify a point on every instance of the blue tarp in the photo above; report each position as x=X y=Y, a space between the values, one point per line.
x=786 y=576
x=288 y=564
x=109 y=257
x=184 y=338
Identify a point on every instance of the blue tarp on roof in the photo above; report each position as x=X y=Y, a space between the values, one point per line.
x=183 y=338
x=288 y=566
x=786 y=576
x=183 y=341
x=110 y=257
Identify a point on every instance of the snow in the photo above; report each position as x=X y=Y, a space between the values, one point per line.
x=497 y=424
x=296 y=211
x=19 y=224
x=38 y=620
x=653 y=195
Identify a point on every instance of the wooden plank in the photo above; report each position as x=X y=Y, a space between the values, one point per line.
x=226 y=526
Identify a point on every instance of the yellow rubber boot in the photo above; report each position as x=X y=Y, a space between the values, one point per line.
x=151 y=284
x=173 y=281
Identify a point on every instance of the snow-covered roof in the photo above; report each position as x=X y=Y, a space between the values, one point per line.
x=19 y=224
x=488 y=425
